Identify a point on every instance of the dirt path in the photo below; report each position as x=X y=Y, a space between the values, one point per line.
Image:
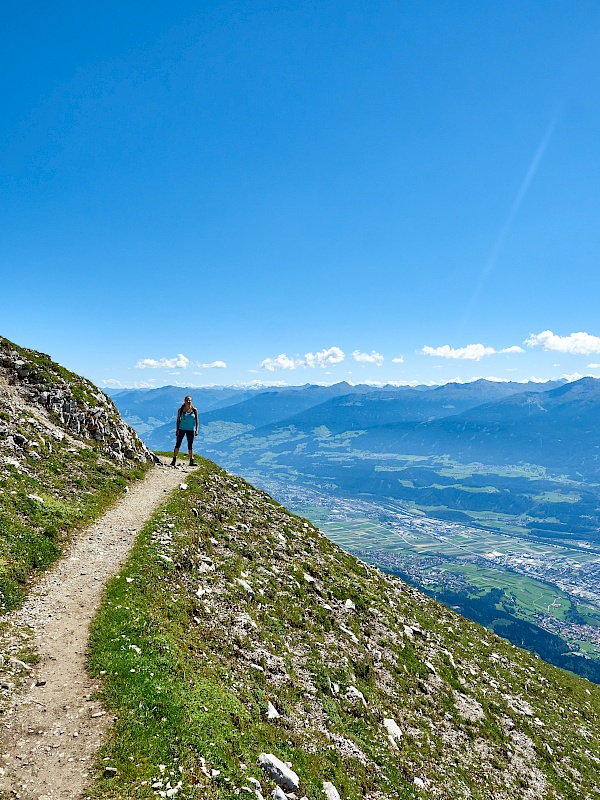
x=50 y=736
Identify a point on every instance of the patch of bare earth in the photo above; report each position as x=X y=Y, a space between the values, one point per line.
x=52 y=729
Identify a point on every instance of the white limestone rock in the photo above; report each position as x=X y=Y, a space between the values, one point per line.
x=330 y=792
x=280 y=773
x=355 y=695
x=393 y=731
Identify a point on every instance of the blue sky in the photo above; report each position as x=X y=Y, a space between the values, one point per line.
x=217 y=192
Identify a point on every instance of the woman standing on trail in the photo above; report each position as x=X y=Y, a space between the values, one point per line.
x=187 y=425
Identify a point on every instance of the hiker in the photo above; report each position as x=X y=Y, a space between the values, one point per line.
x=187 y=425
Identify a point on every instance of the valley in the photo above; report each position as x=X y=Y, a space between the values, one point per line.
x=484 y=495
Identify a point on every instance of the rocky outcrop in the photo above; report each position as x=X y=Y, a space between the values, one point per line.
x=39 y=394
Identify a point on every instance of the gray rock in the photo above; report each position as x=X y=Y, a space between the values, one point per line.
x=19 y=666
x=393 y=731
x=354 y=694
x=272 y=712
x=245 y=586
x=279 y=772
x=278 y=794
x=330 y=792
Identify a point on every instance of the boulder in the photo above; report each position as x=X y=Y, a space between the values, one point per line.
x=330 y=792
x=280 y=773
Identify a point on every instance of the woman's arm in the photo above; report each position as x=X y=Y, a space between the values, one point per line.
x=178 y=418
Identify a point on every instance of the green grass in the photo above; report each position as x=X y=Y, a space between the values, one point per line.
x=40 y=511
x=531 y=595
x=178 y=700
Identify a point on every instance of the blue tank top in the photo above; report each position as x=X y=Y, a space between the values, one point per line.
x=187 y=422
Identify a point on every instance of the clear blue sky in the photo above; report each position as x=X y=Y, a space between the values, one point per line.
x=302 y=191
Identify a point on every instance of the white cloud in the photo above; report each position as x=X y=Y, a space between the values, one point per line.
x=281 y=362
x=324 y=358
x=213 y=365
x=593 y=366
x=576 y=343
x=179 y=361
x=398 y=360
x=472 y=352
x=112 y=383
x=368 y=358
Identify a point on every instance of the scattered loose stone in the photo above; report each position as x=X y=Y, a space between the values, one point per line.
x=18 y=665
x=352 y=693
x=330 y=792
x=394 y=732
x=272 y=712
x=279 y=772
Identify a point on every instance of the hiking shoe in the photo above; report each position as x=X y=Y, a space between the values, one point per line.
x=173 y=462
x=192 y=463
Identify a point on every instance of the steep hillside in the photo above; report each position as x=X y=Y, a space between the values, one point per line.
x=237 y=633
x=65 y=454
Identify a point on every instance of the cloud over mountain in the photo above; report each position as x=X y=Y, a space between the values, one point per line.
x=368 y=358
x=472 y=352
x=323 y=358
x=180 y=361
x=576 y=343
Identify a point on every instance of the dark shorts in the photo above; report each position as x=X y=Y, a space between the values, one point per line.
x=190 y=438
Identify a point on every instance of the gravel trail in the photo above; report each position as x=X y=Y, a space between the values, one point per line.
x=50 y=735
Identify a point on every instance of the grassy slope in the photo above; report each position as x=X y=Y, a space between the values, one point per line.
x=70 y=490
x=190 y=659
x=52 y=487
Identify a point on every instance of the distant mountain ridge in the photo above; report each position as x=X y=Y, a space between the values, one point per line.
x=226 y=412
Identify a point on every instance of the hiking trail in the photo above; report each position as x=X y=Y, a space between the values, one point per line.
x=50 y=735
